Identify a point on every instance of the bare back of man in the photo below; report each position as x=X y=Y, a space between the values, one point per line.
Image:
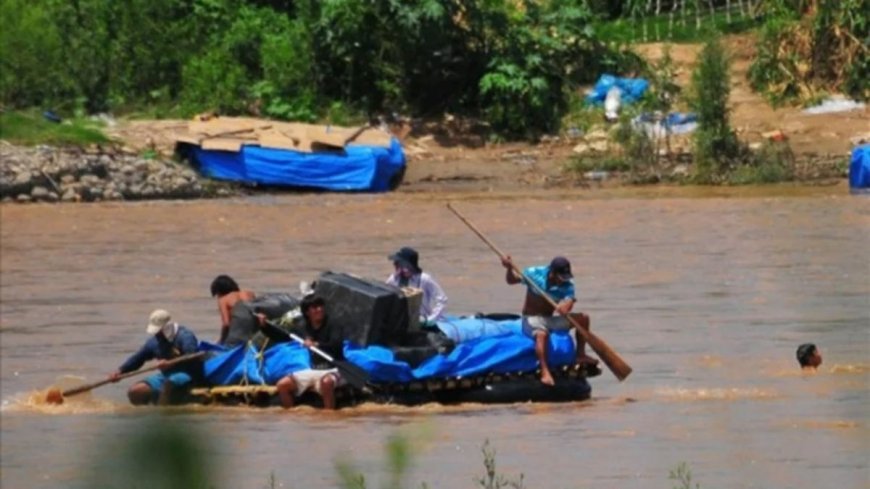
x=225 y=306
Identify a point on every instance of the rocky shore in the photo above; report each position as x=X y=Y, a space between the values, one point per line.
x=48 y=174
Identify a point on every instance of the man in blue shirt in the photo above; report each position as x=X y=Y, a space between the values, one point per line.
x=168 y=340
x=538 y=319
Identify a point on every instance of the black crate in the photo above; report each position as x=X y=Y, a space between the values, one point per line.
x=367 y=311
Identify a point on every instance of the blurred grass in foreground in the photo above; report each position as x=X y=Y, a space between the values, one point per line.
x=164 y=453
x=31 y=128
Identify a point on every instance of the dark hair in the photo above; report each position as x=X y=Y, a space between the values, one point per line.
x=804 y=352
x=309 y=301
x=223 y=285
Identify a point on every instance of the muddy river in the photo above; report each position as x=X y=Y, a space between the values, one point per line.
x=706 y=294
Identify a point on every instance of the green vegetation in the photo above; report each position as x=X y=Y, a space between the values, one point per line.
x=674 y=29
x=163 y=453
x=492 y=479
x=716 y=145
x=29 y=128
x=805 y=53
x=160 y=454
x=682 y=474
x=773 y=163
x=514 y=64
x=718 y=156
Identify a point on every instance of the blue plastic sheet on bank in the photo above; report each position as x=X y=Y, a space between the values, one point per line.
x=859 y=169
x=631 y=89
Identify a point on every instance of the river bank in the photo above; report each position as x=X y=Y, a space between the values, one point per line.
x=70 y=175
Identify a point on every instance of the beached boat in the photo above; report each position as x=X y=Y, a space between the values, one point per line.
x=479 y=358
x=281 y=154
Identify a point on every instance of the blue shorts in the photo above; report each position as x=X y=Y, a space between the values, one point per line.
x=155 y=382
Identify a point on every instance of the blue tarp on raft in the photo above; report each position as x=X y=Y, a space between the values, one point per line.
x=464 y=328
x=504 y=353
x=859 y=169
x=356 y=168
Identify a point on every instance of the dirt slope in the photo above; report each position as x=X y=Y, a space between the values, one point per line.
x=821 y=134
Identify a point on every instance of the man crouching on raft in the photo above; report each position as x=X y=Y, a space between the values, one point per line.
x=315 y=329
x=538 y=319
x=166 y=340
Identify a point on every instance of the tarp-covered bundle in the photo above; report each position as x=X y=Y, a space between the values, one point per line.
x=631 y=89
x=272 y=153
x=859 y=169
x=508 y=351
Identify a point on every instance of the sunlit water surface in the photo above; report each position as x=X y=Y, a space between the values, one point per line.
x=707 y=297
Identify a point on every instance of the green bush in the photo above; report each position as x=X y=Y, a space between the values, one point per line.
x=31 y=57
x=803 y=53
x=716 y=145
x=773 y=163
x=214 y=82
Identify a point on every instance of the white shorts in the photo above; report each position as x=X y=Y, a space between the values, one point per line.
x=313 y=379
x=534 y=325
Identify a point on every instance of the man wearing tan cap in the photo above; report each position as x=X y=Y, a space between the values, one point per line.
x=168 y=340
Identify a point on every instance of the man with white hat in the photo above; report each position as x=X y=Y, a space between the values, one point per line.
x=409 y=274
x=168 y=340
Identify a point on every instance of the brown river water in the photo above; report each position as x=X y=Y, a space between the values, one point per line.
x=705 y=293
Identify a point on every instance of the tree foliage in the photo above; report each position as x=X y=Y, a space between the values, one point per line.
x=513 y=62
x=716 y=144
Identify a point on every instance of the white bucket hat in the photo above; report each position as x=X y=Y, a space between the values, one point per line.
x=159 y=318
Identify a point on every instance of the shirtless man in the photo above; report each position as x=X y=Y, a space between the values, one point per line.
x=227 y=292
x=556 y=280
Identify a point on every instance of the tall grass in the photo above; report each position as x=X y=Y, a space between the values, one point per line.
x=31 y=128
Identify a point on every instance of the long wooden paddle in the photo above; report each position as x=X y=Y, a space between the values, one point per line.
x=612 y=359
x=353 y=374
x=55 y=396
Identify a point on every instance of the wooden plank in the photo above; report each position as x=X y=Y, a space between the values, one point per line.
x=324 y=136
x=224 y=144
x=234 y=389
x=279 y=140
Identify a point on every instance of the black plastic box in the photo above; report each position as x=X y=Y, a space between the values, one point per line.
x=367 y=311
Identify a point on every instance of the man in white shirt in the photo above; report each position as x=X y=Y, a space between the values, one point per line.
x=409 y=274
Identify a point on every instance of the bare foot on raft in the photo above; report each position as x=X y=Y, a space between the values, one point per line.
x=547 y=379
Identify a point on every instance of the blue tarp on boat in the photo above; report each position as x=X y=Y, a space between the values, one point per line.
x=356 y=168
x=509 y=352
